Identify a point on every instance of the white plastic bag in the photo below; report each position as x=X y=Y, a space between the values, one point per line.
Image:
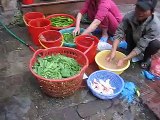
x=104 y=46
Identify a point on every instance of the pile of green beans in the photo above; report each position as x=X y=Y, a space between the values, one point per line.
x=61 y=21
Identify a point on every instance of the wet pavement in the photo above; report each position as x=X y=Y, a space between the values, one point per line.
x=22 y=99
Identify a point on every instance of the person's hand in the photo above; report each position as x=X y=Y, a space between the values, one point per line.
x=76 y=31
x=120 y=62
x=110 y=56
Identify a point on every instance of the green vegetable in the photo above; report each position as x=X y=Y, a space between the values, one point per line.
x=68 y=37
x=61 y=21
x=56 y=67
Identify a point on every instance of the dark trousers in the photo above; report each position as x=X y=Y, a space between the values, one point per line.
x=152 y=48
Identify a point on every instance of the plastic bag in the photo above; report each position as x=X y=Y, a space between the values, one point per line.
x=129 y=91
x=104 y=46
x=155 y=64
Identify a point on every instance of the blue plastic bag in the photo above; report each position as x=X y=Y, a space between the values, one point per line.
x=128 y=92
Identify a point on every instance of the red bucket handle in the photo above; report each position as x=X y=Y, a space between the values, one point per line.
x=89 y=48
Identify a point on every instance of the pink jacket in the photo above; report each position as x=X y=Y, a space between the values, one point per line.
x=98 y=9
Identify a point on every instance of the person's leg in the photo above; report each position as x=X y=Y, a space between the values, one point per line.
x=104 y=37
x=152 y=49
x=110 y=23
x=104 y=32
x=129 y=39
x=108 y=26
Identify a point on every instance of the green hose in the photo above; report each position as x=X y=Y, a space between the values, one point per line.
x=17 y=38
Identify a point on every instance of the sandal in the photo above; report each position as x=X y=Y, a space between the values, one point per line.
x=146 y=64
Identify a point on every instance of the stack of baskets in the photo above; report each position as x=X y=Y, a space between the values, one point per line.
x=38 y=24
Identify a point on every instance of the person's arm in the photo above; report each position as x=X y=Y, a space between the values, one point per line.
x=150 y=35
x=92 y=27
x=120 y=32
x=111 y=55
x=79 y=17
x=115 y=45
x=131 y=55
x=119 y=35
x=141 y=45
x=102 y=11
x=128 y=57
x=77 y=28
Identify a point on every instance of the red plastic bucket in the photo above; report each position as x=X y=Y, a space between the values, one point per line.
x=32 y=15
x=27 y=2
x=37 y=26
x=50 y=38
x=84 y=42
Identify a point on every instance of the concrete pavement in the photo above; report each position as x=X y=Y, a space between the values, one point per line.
x=22 y=99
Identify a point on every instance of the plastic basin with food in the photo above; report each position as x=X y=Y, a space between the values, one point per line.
x=105 y=84
x=100 y=59
x=61 y=21
x=68 y=36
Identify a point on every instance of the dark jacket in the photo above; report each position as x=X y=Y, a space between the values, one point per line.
x=142 y=33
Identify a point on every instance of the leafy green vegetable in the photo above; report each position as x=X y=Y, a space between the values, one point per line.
x=61 y=21
x=56 y=67
x=68 y=37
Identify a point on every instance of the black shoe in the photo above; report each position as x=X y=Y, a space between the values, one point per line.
x=146 y=64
